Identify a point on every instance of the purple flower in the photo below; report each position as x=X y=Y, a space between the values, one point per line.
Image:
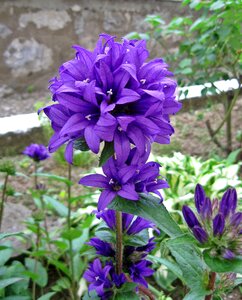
x=98 y=277
x=111 y=94
x=36 y=152
x=140 y=270
x=102 y=248
x=228 y=254
x=131 y=224
x=125 y=180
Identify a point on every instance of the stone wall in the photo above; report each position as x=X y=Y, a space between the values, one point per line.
x=36 y=35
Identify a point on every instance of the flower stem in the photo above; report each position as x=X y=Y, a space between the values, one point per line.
x=3 y=199
x=35 y=175
x=119 y=246
x=74 y=291
x=212 y=278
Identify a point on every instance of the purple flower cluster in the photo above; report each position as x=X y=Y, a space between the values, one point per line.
x=36 y=152
x=126 y=180
x=218 y=226
x=135 y=263
x=112 y=94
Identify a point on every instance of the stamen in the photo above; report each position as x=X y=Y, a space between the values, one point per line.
x=110 y=92
x=86 y=80
x=111 y=181
x=143 y=81
x=88 y=117
x=119 y=128
x=137 y=171
x=96 y=278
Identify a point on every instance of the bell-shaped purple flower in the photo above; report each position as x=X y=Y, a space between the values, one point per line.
x=126 y=180
x=37 y=152
x=218 y=224
x=102 y=248
x=98 y=277
x=139 y=271
x=200 y=234
x=190 y=217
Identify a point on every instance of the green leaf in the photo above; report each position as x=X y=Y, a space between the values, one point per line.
x=127 y=287
x=14 y=297
x=71 y=234
x=5 y=235
x=91 y=296
x=222 y=265
x=60 y=208
x=185 y=63
x=172 y=266
x=54 y=177
x=6 y=282
x=190 y=262
x=137 y=240
x=5 y=254
x=107 y=152
x=149 y=208
x=217 y=5
x=126 y=296
x=231 y=159
x=47 y=296
x=194 y=295
x=37 y=269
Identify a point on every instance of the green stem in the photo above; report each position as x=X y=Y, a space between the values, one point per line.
x=119 y=245
x=74 y=291
x=154 y=290
x=35 y=175
x=35 y=265
x=3 y=199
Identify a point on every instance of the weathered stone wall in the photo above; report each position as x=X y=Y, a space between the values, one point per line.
x=36 y=35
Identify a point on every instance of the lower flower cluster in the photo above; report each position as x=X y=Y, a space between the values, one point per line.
x=102 y=275
x=217 y=226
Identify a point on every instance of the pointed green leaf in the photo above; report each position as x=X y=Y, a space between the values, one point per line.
x=6 y=282
x=107 y=152
x=149 y=208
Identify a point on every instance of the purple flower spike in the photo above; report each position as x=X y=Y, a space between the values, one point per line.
x=36 y=152
x=228 y=203
x=200 y=197
x=200 y=234
x=190 y=217
x=102 y=248
x=228 y=254
x=218 y=224
x=98 y=277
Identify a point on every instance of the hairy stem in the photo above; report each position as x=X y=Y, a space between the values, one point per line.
x=211 y=284
x=119 y=246
x=35 y=175
x=74 y=291
x=3 y=199
x=35 y=265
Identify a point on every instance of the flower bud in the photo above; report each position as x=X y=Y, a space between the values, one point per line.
x=200 y=234
x=199 y=197
x=236 y=219
x=228 y=254
x=218 y=224
x=228 y=203
x=190 y=217
x=206 y=209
